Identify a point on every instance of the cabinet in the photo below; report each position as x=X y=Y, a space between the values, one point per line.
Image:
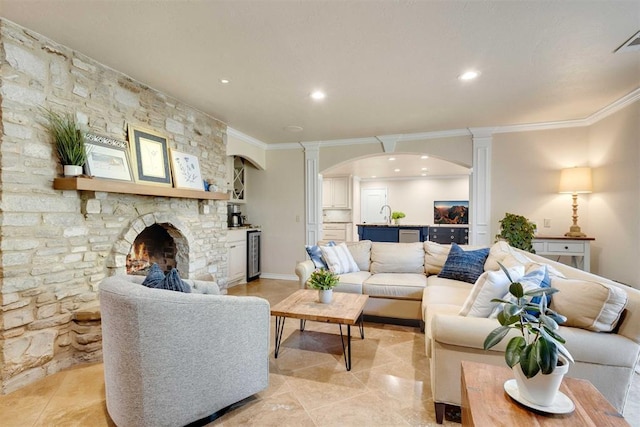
x=237 y=256
x=575 y=247
x=390 y=233
x=237 y=175
x=444 y=235
x=336 y=192
x=337 y=232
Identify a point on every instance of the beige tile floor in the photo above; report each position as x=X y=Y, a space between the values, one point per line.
x=308 y=384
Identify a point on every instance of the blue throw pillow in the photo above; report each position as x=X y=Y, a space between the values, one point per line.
x=463 y=265
x=172 y=281
x=545 y=283
x=154 y=278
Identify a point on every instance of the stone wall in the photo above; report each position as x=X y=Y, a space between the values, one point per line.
x=56 y=246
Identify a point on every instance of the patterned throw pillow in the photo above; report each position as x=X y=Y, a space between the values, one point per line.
x=462 y=265
x=315 y=254
x=339 y=259
x=154 y=278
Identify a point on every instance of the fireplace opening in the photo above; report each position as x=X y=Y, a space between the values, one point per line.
x=153 y=245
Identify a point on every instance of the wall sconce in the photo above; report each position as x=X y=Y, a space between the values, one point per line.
x=575 y=181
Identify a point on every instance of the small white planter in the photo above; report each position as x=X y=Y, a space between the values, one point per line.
x=325 y=296
x=72 y=170
x=541 y=389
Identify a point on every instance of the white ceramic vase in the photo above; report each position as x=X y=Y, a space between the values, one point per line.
x=72 y=170
x=541 y=389
x=326 y=296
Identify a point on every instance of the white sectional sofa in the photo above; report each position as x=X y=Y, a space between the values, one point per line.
x=390 y=274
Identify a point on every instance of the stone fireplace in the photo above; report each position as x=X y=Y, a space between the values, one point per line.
x=58 y=245
x=154 y=245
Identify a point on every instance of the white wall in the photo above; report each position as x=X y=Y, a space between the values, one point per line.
x=614 y=205
x=415 y=197
x=275 y=201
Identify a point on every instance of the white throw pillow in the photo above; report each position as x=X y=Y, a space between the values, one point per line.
x=532 y=280
x=339 y=259
x=490 y=285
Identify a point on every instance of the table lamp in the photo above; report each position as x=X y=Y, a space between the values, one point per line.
x=575 y=181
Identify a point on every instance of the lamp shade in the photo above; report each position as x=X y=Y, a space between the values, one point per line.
x=575 y=180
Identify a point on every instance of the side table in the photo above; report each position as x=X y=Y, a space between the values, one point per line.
x=575 y=247
x=485 y=403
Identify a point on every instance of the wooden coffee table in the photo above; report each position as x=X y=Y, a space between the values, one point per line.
x=485 y=403
x=344 y=309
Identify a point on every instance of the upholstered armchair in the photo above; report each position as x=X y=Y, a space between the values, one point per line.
x=171 y=358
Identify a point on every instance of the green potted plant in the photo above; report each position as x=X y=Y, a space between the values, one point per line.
x=518 y=231
x=395 y=216
x=324 y=281
x=537 y=356
x=68 y=141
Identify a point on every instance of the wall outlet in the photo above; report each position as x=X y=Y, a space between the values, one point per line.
x=547 y=223
x=297 y=218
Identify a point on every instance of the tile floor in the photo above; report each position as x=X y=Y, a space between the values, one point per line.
x=308 y=386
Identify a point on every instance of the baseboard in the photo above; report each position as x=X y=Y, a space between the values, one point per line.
x=278 y=276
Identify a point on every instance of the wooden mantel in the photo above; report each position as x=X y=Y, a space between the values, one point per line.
x=97 y=184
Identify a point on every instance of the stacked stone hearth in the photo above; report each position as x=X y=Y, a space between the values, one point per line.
x=57 y=246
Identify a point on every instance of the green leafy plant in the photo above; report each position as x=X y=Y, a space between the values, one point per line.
x=539 y=346
x=397 y=215
x=323 y=279
x=518 y=231
x=67 y=137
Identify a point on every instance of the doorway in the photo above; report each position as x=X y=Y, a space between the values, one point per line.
x=371 y=202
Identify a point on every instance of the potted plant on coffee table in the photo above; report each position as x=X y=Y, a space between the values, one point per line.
x=537 y=356
x=68 y=141
x=324 y=281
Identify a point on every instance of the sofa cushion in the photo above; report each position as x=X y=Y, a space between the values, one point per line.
x=435 y=255
x=502 y=253
x=397 y=258
x=588 y=305
x=339 y=259
x=352 y=282
x=396 y=285
x=361 y=252
x=463 y=265
x=490 y=285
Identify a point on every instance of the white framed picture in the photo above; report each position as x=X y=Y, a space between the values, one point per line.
x=186 y=171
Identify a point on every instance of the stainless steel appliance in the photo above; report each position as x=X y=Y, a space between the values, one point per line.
x=234 y=216
x=253 y=254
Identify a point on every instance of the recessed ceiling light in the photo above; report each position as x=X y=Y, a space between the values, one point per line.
x=424 y=157
x=396 y=170
x=391 y=159
x=469 y=75
x=373 y=176
x=318 y=95
x=293 y=128
x=423 y=169
x=423 y=174
x=225 y=81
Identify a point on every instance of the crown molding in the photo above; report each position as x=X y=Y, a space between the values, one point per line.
x=614 y=107
x=246 y=138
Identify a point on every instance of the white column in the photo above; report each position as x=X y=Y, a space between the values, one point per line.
x=480 y=194
x=313 y=187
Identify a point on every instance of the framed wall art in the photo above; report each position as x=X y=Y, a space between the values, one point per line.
x=107 y=158
x=149 y=154
x=451 y=212
x=186 y=171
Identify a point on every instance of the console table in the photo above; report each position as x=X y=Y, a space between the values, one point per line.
x=575 y=247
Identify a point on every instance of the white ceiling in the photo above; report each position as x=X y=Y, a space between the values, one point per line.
x=409 y=165
x=387 y=67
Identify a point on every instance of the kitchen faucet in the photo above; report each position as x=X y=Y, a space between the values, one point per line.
x=388 y=217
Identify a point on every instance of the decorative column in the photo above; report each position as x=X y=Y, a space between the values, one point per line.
x=480 y=191
x=313 y=186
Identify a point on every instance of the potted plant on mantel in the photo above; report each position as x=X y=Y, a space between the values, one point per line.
x=68 y=140
x=395 y=216
x=538 y=357
x=518 y=231
x=324 y=281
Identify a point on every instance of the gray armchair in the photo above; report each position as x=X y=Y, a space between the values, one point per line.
x=171 y=358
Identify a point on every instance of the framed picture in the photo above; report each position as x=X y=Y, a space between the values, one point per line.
x=451 y=212
x=149 y=152
x=186 y=171
x=107 y=158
